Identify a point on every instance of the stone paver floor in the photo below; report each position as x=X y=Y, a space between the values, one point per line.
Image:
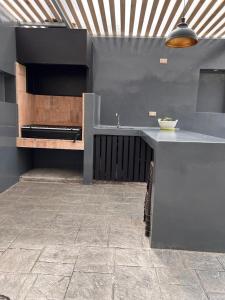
x=70 y=241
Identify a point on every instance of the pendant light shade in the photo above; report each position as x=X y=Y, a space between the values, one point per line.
x=182 y=36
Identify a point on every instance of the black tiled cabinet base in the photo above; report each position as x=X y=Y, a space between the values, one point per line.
x=148 y=201
x=121 y=158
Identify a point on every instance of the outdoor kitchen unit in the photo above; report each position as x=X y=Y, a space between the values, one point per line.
x=50 y=82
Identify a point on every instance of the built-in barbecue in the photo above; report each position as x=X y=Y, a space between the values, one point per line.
x=52 y=132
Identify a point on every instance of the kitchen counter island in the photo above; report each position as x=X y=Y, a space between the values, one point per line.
x=188 y=195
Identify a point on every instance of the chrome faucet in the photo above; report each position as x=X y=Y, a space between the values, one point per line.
x=118 y=120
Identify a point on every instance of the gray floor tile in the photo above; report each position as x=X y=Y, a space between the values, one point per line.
x=93 y=259
x=73 y=198
x=166 y=258
x=16 y=286
x=118 y=221
x=2 y=218
x=94 y=221
x=7 y=236
x=92 y=237
x=37 y=239
x=177 y=276
x=48 y=287
x=116 y=208
x=74 y=225
x=27 y=221
x=125 y=237
x=133 y=257
x=136 y=283
x=18 y=260
x=86 y=286
x=216 y=296
x=51 y=268
x=213 y=281
x=181 y=292
x=221 y=258
x=201 y=261
x=60 y=254
x=67 y=220
x=80 y=208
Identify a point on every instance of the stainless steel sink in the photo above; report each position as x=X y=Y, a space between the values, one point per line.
x=116 y=127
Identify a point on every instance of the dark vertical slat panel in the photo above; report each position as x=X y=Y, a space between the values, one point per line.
x=148 y=154
x=125 y=157
x=120 y=158
x=103 y=157
x=148 y=161
x=137 y=159
x=114 y=158
x=131 y=159
x=142 y=161
x=97 y=157
x=108 y=157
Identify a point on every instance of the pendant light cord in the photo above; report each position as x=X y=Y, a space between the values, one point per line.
x=184 y=11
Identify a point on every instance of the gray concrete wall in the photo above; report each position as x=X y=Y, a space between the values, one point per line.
x=92 y=106
x=188 y=196
x=13 y=162
x=7 y=49
x=131 y=81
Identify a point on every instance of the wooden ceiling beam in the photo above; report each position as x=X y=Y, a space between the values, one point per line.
x=44 y=11
x=184 y=11
x=152 y=15
x=218 y=30
x=132 y=16
x=63 y=13
x=222 y=17
x=171 y=17
x=102 y=10
x=24 y=10
x=84 y=16
x=113 y=17
x=222 y=34
x=15 y=10
x=142 y=16
x=161 y=16
x=94 y=17
x=34 y=10
x=53 y=10
x=122 y=16
x=73 y=13
x=213 y=15
x=195 y=11
x=203 y=14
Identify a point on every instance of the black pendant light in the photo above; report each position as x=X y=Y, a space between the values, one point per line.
x=182 y=36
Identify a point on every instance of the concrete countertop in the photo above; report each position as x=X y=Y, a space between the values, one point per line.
x=122 y=130
x=154 y=135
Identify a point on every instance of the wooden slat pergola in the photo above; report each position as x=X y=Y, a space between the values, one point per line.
x=147 y=18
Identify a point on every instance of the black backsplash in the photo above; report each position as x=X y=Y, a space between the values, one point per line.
x=57 y=80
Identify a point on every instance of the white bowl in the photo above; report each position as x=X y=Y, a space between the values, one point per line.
x=167 y=124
